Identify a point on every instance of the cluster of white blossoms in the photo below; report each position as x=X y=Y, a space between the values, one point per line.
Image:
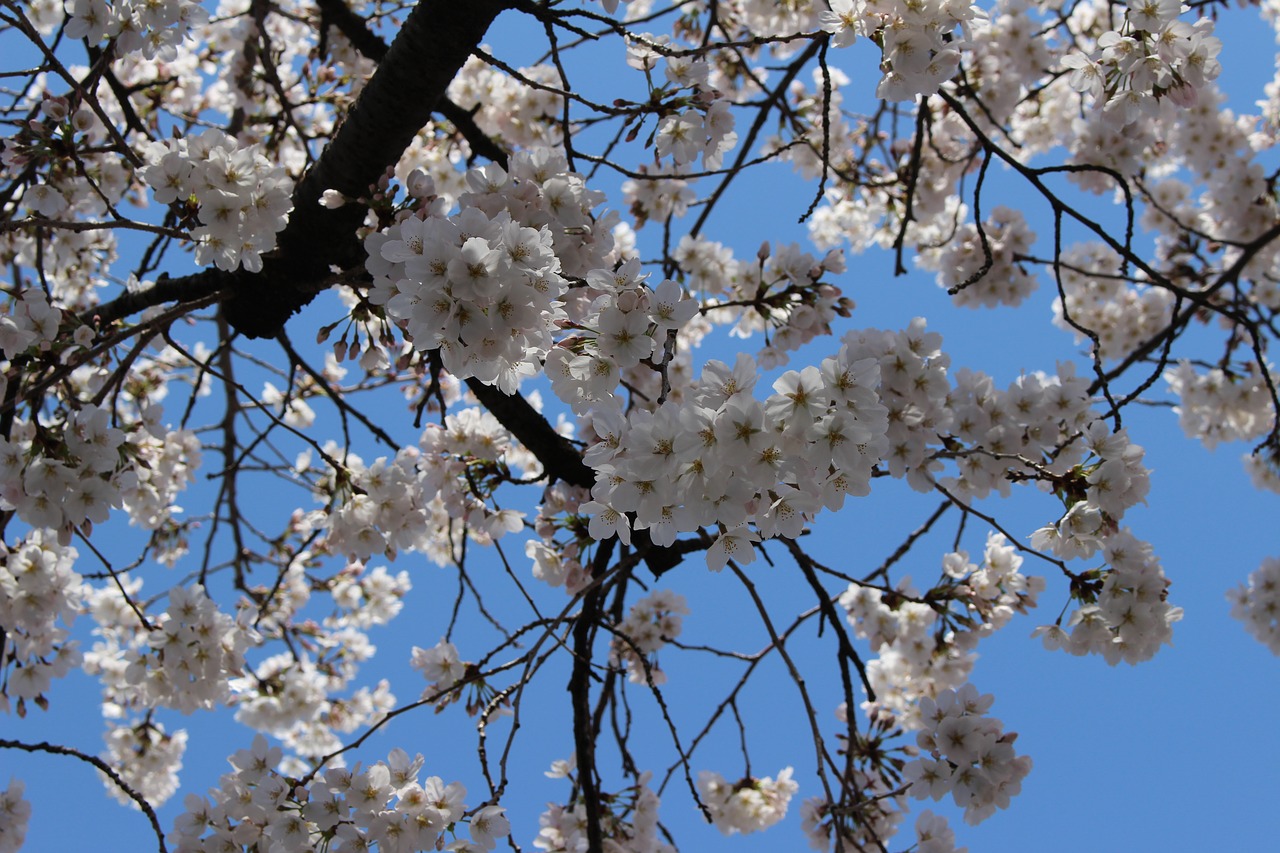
x=440 y=665
x=155 y=29
x=990 y=257
x=384 y=805
x=38 y=589
x=872 y=820
x=917 y=654
x=1100 y=301
x=748 y=805
x=1257 y=604
x=1153 y=55
x=239 y=197
x=724 y=459
x=484 y=286
x=185 y=661
x=28 y=321
x=918 y=39
x=1124 y=613
x=968 y=755
x=15 y=813
x=65 y=477
x=697 y=125
x=419 y=499
x=507 y=109
x=146 y=757
x=1221 y=404
x=652 y=622
x=628 y=820
x=630 y=322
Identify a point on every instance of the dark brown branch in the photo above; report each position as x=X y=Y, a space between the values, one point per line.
x=435 y=41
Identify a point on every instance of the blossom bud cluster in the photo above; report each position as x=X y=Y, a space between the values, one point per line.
x=146 y=757
x=628 y=820
x=37 y=590
x=256 y=808
x=1098 y=300
x=918 y=40
x=241 y=198
x=1003 y=279
x=1257 y=604
x=969 y=754
x=15 y=813
x=652 y=622
x=1151 y=56
x=917 y=656
x=748 y=805
x=412 y=502
x=155 y=29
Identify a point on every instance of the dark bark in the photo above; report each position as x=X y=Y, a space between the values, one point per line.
x=397 y=102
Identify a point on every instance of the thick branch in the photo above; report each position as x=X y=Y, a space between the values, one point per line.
x=397 y=102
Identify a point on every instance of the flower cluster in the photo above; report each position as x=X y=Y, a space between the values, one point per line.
x=1221 y=404
x=1124 y=612
x=15 y=812
x=723 y=458
x=484 y=286
x=165 y=467
x=918 y=653
x=628 y=820
x=412 y=502
x=1118 y=316
x=153 y=28
x=239 y=197
x=748 y=805
x=1257 y=604
x=992 y=258
x=652 y=622
x=969 y=755
x=918 y=40
x=256 y=808
x=69 y=478
x=1153 y=55
x=292 y=697
x=187 y=659
x=37 y=590
x=29 y=321
x=147 y=758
